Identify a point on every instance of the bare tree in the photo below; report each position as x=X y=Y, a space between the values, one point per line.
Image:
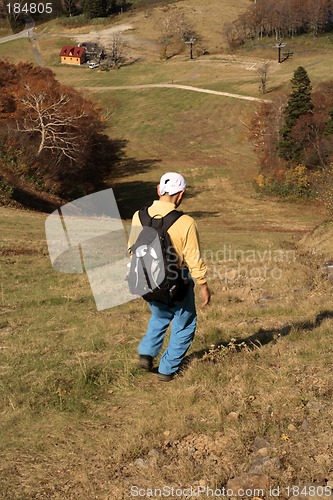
x=174 y=29
x=183 y=28
x=263 y=75
x=54 y=136
x=50 y=120
x=280 y=18
x=165 y=24
x=115 y=51
x=318 y=14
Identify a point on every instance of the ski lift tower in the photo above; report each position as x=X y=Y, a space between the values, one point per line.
x=279 y=46
x=190 y=42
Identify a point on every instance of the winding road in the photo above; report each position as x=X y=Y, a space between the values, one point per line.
x=27 y=31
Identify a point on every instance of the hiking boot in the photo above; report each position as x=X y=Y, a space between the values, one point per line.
x=146 y=362
x=165 y=378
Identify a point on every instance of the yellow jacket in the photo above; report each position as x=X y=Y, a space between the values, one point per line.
x=184 y=237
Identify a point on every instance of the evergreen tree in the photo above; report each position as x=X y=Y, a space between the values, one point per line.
x=70 y=8
x=299 y=104
x=95 y=8
x=114 y=7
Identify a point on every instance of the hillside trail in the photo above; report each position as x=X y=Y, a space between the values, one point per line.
x=176 y=86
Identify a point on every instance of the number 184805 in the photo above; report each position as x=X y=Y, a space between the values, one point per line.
x=29 y=8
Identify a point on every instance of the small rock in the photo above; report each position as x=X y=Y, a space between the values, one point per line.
x=258 y=443
x=139 y=462
x=292 y=427
x=305 y=425
x=262 y=465
x=202 y=482
x=328 y=269
x=263 y=452
x=233 y=415
x=166 y=433
x=267 y=297
x=154 y=454
x=314 y=405
x=248 y=481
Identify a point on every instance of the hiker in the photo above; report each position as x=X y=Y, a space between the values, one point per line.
x=181 y=313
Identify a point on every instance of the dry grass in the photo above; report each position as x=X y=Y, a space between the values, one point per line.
x=79 y=419
x=17 y=50
x=208 y=20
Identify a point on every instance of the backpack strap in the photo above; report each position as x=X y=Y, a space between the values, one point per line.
x=171 y=218
x=144 y=217
x=168 y=219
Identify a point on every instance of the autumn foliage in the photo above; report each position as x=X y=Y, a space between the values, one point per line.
x=292 y=136
x=50 y=135
x=280 y=18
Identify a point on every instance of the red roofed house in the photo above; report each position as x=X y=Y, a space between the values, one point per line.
x=72 y=55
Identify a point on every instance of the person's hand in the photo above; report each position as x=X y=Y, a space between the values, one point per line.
x=205 y=295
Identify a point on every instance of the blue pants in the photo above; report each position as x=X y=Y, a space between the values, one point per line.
x=183 y=320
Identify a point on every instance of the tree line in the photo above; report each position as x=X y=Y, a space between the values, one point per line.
x=293 y=138
x=280 y=18
x=95 y=8
x=51 y=137
x=15 y=9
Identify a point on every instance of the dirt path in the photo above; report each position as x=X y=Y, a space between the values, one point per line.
x=30 y=31
x=176 y=86
x=102 y=34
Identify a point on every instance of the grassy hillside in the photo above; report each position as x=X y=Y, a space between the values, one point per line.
x=79 y=419
x=207 y=18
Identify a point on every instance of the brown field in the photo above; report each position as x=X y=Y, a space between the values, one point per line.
x=79 y=419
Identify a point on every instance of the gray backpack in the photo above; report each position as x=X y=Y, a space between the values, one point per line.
x=154 y=272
